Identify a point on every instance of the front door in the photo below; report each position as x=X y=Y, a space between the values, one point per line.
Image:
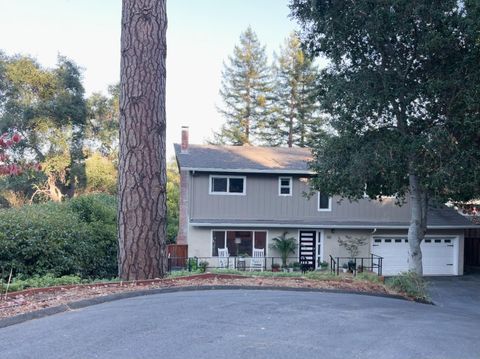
x=307 y=248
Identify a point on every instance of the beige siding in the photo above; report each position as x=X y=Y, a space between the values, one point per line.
x=200 y=241
x=263 y=202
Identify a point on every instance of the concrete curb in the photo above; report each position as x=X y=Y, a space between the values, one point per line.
x=6 y=322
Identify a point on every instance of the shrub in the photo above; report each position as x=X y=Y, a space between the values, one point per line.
x=76 y=237
x=370 y=277
x=202 y=266
x=411 y=284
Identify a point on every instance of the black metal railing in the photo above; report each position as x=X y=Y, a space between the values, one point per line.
x=235 y=263
x=356 y=265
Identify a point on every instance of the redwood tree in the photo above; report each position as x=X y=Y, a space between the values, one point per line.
x=142 y=166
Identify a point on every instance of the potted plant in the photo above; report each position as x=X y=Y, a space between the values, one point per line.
x=344 y=267
x=275 y=267
x=323 y=265
x=285 y=246
x=296 y=266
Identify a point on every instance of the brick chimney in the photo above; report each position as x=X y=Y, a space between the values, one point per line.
x=184 y=148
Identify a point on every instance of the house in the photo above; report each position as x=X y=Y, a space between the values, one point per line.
x=241 y=197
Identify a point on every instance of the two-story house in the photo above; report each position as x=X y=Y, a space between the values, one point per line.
x=240 y=197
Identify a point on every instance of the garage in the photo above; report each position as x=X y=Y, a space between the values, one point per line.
x=438 y=255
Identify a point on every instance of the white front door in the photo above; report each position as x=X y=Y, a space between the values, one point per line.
x=319 y=249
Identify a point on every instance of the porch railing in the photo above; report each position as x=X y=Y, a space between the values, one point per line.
x=356 y=265
x=236 y=263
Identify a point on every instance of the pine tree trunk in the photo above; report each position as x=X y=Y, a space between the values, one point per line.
x=290 y=132
x=418 y=224
x=142 y=166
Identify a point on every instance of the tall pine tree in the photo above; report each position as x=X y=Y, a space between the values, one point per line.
x=245 y=91
x=296 y=119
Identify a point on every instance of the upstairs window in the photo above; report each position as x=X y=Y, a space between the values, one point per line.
x=285 y=186
x=227 y=185
x=324 y=202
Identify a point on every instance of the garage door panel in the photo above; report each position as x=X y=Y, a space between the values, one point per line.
x=437 y=255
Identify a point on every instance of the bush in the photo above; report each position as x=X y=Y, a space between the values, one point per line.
x=202 y=266
x=411 y=284
x=76 y=237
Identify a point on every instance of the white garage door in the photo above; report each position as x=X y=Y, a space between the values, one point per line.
x=438 y=255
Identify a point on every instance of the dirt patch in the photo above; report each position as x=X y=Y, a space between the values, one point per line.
x=39 y=298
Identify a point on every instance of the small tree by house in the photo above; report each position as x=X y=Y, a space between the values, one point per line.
x=352 y=244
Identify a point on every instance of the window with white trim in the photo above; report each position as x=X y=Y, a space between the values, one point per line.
x=324 y=202
x=234 y=185
x=284 y=186
x=238 y=242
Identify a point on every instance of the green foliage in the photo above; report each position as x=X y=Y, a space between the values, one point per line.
x=58 y=124
x=296 y=119
x=316 y=275
x=369 y=277
x=36 y=281
x=245 y=91
x=411 y=284
x=173 y=197
x=401 y=90
x=182 y=273
x=101 y=174
x=76 y=237
x=352 y=245
x=285 y=246
x=202 y=266
x=103 y=114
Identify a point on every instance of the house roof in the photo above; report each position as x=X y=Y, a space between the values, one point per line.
x=213 y=158
x=438 y=218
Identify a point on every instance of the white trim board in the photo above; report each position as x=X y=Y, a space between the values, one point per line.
x=324 y=226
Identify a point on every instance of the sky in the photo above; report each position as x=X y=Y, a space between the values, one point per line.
x=200 y=36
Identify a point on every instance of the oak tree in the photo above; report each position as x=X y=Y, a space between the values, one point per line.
x=402 y=90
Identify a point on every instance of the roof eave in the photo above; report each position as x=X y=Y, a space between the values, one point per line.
x=326 y=226
x=245 y=170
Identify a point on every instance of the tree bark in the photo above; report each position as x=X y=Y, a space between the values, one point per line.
x=142 y=166
x=418 y=224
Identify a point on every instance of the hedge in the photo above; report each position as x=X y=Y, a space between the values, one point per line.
x=75 y=237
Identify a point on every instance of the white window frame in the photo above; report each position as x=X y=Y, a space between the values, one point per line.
x=290 y=186
x=227 y=193
x=329 y=209
x=239 y=230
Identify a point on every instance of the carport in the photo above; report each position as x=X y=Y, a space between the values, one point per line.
x=472 y=250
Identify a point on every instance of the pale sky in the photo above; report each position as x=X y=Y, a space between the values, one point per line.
x=201 y=35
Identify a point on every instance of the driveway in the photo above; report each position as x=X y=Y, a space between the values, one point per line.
x=456 y=294
x=248 y=324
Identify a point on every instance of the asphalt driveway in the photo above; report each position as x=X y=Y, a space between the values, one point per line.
x=248 y=324
x=456 y=294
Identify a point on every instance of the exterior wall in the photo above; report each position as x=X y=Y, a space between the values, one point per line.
x=263 y=202
x=200 y=241
x=183 y=208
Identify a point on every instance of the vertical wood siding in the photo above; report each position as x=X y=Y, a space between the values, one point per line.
x=262 y=202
